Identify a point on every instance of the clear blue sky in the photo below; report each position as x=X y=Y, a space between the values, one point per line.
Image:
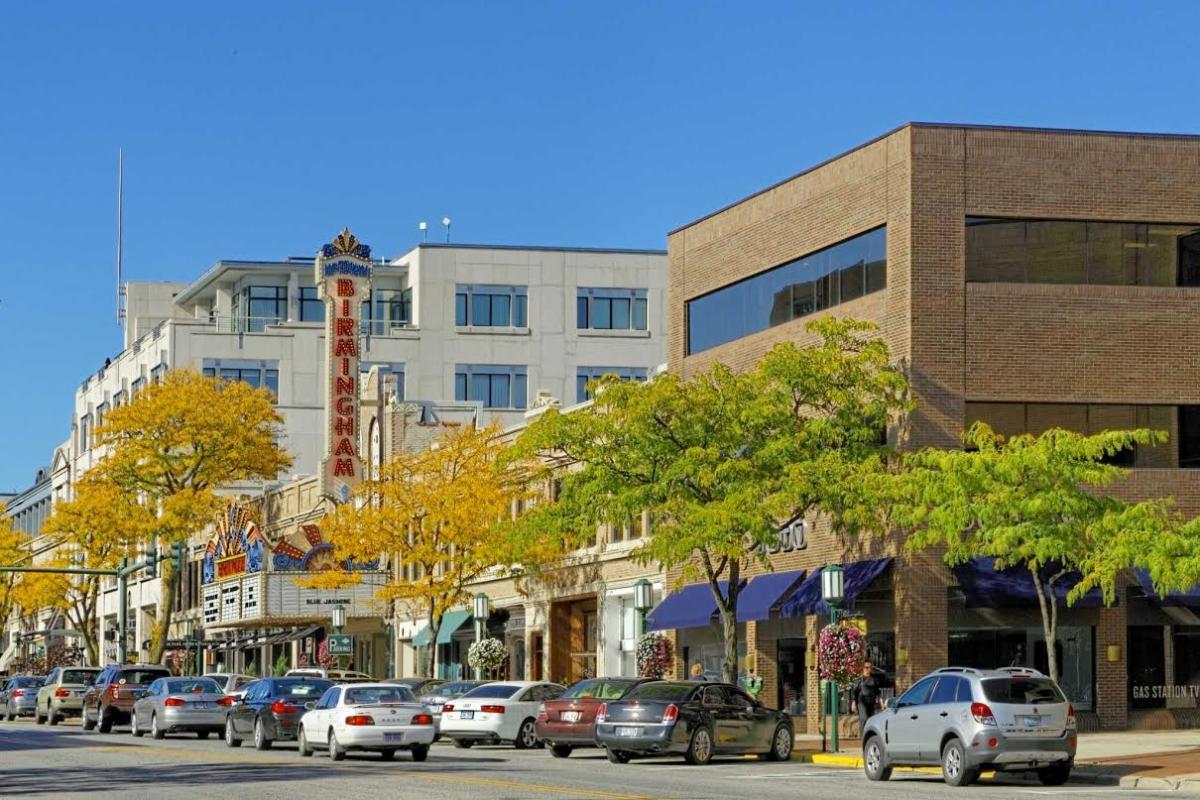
x=257 y=130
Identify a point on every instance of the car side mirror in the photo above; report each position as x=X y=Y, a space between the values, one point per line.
x=891 y=703
x=310 y=705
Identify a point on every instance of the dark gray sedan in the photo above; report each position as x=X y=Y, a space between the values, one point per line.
x=170 y=705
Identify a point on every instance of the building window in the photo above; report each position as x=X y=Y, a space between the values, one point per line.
x=491 y=306
x=118 y=399
x=137 y=386
x=158 y=373
x=632 y=530
x=101 y=412
x=312 y=307
x=1189 y=437
x=813 y=283
x=494 y=386
x=585 y=375
x=389 y=309
x=1076 y=252
x=85 y=430
x=611 y=309
x=265 y=305
x=255 y=373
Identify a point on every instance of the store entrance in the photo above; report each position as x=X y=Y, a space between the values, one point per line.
x=1147 y=666
x=791 y=658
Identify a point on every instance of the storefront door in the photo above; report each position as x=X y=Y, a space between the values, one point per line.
x=1147 y=666
x=791 y=658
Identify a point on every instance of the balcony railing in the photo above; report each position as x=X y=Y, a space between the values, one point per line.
x=260 y=324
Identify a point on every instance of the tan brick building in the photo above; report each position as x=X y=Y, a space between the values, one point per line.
x=1030 y=278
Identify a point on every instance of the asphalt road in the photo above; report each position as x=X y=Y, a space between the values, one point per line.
x=41 y=762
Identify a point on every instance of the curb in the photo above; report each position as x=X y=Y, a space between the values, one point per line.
x=1184 y=784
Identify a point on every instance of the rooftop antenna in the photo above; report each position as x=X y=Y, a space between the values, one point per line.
x=423 y=227
x=446 y=223
x=120 y=231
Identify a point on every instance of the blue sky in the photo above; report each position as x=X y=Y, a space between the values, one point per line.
x=257 y=130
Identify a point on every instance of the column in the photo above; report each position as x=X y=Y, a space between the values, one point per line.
x=764 y=652
x=922 y=609
x=1112 y=681
x=812 y=678
x=293 y=297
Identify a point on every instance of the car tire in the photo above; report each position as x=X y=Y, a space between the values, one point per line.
x=955 y=771
x=561 y=750
x=387 y=755
x=52 y=718
x=700 y=747
x=202 y=734
x=526 y=735
x=617 y=756
x=336 y=751
x=261 y=742
x=133 y=726
x=873 y=760
x=9 y=716
x=155 y=731
x=86 y=722
x=420 y=752
x=302 y=745
x=782 y=743
x=105 y=724
x=464 y=744
x=38 y=719
x=1055 y=774
x=231 y=739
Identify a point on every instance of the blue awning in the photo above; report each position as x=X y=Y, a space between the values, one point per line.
x=857 y=576
x=988 y=587
x=1188 y=599
x=693 y=606
x=766 y=593
x=451 y=622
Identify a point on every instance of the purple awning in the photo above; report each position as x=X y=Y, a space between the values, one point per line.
x=988 y=587
x=857 y=576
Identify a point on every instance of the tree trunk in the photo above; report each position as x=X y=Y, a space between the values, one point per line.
x=1048 y=604
x=435 y=624
x=168 y=580
x=727 y=605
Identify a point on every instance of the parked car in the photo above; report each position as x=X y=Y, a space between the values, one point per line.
x=20 y=695
x=179 y=704
x=62 y=693
x=498 y=712
x=109 y=700
x=968 y=719
x=232 y=683
x=443 y=693
x=697 y=720
x=335 y=675
x=271 y=710
x=570 y=721
x=367 y=716
x=418 y=686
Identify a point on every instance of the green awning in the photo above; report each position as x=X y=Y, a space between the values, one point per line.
x=451 y=622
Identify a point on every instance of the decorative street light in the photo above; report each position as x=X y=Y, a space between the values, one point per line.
x=339 y=618
x=481 y=614
x=643 y=599
x=833 y=592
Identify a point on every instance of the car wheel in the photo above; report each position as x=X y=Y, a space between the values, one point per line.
x=526 y=736
x=336 y=751
x=133 y=726
x=302 y=744
x=1056 y=774
x=231 y=739
x=873 y=760
x=155 y=731
x=87 y=722
x=782 y=743
x=9 y=716
x=955 y=771
x=52 y=718
x=561 y=750
x=202 y=734
x=420 y=752
x=700 y=748
x=464 y=744
x=38 y=719
x=106 y=722
x=617 y=756
x=261 y=742
x=388 y=754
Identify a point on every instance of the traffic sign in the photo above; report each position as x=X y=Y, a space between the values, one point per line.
x=341 y=644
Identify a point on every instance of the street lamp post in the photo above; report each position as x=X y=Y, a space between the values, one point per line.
x=833 y=591
x=481 y=614
x=338 y=618
x=643 y=599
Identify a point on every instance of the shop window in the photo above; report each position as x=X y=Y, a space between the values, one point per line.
x=1187 y=655
x=1189 y=437
x=1147 y=666
x=792 y=672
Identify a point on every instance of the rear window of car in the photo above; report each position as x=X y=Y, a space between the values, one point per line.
x=599 y=690
x=448 y=690
x=661 y=691
x=140 y=676
x=1022 y=691
x=379 y=694
x=193 y=686
x=79 y=675
x=493 y=690
x=302 y=688
x=21 y=683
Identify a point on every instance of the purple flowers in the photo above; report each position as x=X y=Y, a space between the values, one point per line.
x=841 y=651
x=654 y=655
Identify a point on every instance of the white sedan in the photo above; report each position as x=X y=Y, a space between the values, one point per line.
x=498 y=712
x=367 y=716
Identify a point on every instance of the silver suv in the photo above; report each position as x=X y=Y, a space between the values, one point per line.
x=967 y=720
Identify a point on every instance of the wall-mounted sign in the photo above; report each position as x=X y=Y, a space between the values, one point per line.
x=212 y=604
x=343 y=275
x=792 y=536
x=231 y=602
x=307 y=551
x=273 y=595
x=236 y=546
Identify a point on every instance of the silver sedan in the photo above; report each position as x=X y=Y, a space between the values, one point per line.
x=170 y=705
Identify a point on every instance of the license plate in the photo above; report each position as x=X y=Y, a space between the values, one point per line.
x=200 y=706
x=572 y=716
x=1029 y=722
x=466 y=715
x=622 y=731
x=393 y=737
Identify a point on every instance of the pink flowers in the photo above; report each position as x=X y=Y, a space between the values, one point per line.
x=841 y=651
x=654 y=655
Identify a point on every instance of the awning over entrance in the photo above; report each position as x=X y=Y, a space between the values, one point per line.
x=693 y=606
x=293 y=634
x=857 y=576
x=988 y=587
x=451 y=622
x=766 y=593
x=1188 y=599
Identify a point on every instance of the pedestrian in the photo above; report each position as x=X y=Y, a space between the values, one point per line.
x=697 y=671
x=864 y=697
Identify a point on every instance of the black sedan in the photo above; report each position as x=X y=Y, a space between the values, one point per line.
x=271 y=709
x=696 y=720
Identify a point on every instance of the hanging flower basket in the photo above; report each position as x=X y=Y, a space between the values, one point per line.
x=487 y=654
x=654 y=655
x=841 y=652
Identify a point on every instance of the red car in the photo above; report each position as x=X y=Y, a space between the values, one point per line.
x=570 y=721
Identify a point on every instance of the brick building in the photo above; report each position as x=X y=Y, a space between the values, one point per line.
x=1029 y=278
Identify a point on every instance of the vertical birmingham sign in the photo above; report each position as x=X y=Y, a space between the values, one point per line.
x=343 y=275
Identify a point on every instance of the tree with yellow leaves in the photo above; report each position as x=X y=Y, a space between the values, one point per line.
x=12 y=552
x=177 y=444
x=445 y=514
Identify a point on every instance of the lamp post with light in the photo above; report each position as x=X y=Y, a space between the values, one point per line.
x=833 y=592
x=481 y=614
x=338 y=618
x=643 y=599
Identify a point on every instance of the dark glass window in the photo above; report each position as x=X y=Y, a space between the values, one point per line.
x=312 y=308
x=1189 y=436
x=584 y=375
x=611 y=309
x=493 y=386
x=388 y=309
x=946 y=690
x=491 y=306
x=820 y=280
x=265 y=305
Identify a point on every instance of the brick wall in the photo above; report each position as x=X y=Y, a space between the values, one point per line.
x=1112 y=705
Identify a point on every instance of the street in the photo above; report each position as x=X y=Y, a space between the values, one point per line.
x=36 y=761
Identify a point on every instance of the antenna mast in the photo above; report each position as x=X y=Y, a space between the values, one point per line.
x=120 y=231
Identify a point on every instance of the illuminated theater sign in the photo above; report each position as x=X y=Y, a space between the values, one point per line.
x=343 y=274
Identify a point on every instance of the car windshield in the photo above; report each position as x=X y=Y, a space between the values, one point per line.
x=79 y=675
x=493 y=690
x=193 y=686
x=1022 y=691
x=21 y=683
x=302 y=688
x=599 y=690
x=407 y=682
x=141 y=676
x=449 y=690
x=673 y=692
x=379 y=694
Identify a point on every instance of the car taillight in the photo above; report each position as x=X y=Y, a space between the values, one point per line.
x=1071 y=716
x=983 y=714
x=280 y=707
x=447 y=707
x=62 y=692
x=602 y=712
x=175 y=702
x=542 y=715
x=17 y=693
x=492 y=709
x=227 y=700
x=114 y=690
x=360 y=719
x=671 y=713
x=422 y=719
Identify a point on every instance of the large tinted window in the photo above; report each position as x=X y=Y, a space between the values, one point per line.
x=918 y=694
x=1072 y=251
x=379 y=694
x=301 y=687
x=1022 y=691
x=946 y=690
x=796 y=289
x=493 y=690
x=193 y=686
x=601 y=690
x=83 y=676
x=662 y=691
x=141 y=676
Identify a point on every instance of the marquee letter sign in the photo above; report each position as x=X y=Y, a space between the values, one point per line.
x=344 y=280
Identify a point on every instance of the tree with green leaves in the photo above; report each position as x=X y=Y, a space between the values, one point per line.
x=722 y=460
x=1038 y=502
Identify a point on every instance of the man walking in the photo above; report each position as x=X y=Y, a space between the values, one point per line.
x=864 y=697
